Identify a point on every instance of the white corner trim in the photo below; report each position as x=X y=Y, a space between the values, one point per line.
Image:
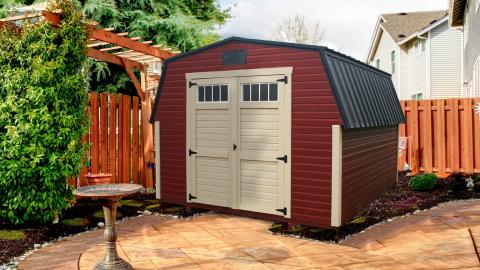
x=336 y=203
x=157 y=161
x=239 y=73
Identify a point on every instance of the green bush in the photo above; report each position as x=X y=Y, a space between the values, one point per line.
x=43 y=96
x=423 y=182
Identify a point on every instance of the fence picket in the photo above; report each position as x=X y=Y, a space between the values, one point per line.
x=126 y=139
x=113 y=136
x=94 y=140
x=104 y=133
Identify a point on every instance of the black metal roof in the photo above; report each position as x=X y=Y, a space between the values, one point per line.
x=365 y=95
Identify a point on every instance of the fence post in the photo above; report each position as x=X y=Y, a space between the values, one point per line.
x=467 y=132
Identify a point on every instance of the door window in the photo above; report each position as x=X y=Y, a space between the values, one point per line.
x=259 y=92
x=212 y=93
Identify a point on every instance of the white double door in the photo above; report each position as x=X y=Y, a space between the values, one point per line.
x=238 y=143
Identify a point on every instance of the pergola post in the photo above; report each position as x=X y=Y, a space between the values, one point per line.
x=147 y=128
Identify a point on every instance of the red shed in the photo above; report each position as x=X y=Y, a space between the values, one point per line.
x=283 y=131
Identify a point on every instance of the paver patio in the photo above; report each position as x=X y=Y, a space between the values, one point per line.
x=441 y=238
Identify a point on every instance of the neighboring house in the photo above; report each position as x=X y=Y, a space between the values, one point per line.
x=421 y=52
x=466 y=14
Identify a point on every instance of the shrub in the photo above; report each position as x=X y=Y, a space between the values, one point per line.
x=423 y=182
x=43 y=96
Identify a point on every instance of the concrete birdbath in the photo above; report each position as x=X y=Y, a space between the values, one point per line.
x=110 y=194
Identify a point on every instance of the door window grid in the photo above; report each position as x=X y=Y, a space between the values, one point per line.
x=212 y=93
x=259 y=92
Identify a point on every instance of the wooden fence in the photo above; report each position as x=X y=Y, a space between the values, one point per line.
x=443 y=136
x=115 y=139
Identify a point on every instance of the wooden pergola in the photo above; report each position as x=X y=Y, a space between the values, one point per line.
x=119 y=49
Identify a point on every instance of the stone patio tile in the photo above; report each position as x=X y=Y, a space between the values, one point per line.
x=325 y=261
x=139 y=254
x=170 y=240
x=176 y=226
x=442 y=262
x=238 y=236
x=200 y=238
x=145 y=231
x=232 y=264
x=143 y=265
x=133 y=225
x=175 y=263
x=275 y=266
x=221 y=251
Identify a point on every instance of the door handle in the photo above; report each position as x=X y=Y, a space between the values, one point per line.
x=190 y=152
x=234 y=147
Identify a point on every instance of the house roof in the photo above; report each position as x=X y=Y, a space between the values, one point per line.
x=365 y=95
x=456 y=12
x=404 y=26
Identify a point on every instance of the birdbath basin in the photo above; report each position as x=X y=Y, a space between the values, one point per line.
x=109 y=194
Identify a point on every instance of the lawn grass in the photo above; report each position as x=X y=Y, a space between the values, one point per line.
x=12 y=235
x=131 y=203
x=76 y=222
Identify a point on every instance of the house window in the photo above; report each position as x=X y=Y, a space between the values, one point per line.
x=377 y=63
x=260 y=92
x=393 y=60
x=419 y=46
x=417 y=96
x=212 y=93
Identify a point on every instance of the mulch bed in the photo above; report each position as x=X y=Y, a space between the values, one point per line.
x=398 y=201
x=84 y=215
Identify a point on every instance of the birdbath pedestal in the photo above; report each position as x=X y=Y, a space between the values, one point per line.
x=109 y=194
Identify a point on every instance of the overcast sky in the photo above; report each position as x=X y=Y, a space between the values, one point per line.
x=348 y=24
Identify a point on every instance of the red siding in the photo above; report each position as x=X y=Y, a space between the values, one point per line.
x=368 y=167
x=313 y=112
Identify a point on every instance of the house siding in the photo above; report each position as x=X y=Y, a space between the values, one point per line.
x=383 y=52
x=471 y=53
x=445 y=62
x=403 y=74
x=367 y=154
x=417 y=71
x=314 y=111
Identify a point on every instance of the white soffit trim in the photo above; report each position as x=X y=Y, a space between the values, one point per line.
x=424 y=30
x=336 y=203
x=375 y=39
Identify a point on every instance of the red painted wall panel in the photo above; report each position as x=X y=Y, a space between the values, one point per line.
x=314 y=111
x=368 y=167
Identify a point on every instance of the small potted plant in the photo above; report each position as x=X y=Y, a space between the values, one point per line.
x=98 y=178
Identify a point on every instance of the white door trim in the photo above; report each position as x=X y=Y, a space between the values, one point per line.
x=286 y=122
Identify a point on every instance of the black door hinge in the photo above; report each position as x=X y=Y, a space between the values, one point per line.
x=234 y=147
x=282 y=210
x=191 y=197
x=284 y=158
x=285 y=80
x=190 y=152
x=190 y=84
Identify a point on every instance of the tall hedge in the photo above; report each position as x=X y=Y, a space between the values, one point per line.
x=43 y=96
